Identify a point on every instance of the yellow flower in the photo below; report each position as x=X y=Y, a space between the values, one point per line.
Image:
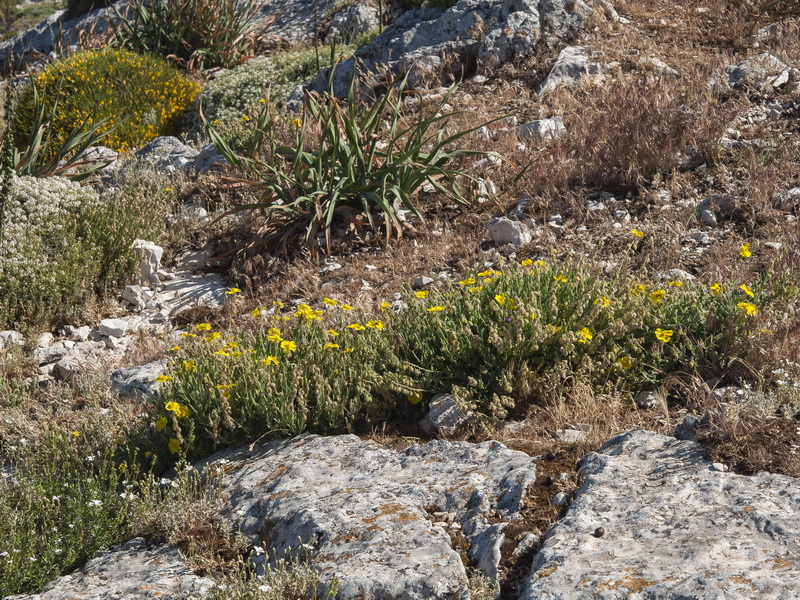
x=288 y=346
x=296 y=123
x=234 y=291
x=676 y=283
x=436 y=309
x=345 y=307
x=356 y=326
x=256 y=312
x=527 y=262
x=161 y=423
x=716 y=288
x=384 y=305
x=422 y=294
x=270 y=360
x=468 y=281
x=560 y=278
x=474 y=289
x=189 y=365
x=664 y=335
x=204 y=327
x=330 y=301
x=626 y=362
x=75 y=434
x=375 y=325
x=172 y=406
x=747 y=290
x=500 y=299
x=539 y=263
x=553 y=328
x=184 y=411
x=174 y=445
x=214 y=335
x=657 y=296
x=639 y=289
x=487 y=273
x=584 y=335
x=637 y=233
x=330 y=345
x=222 y=353
x=186 y=334
x=175 y=349
x=415 y=397
x=162 y=378
x=333 y=332
x=274 y=335
x=749 y=308
x=304 y=310
x=603 y=301
x=744 y=251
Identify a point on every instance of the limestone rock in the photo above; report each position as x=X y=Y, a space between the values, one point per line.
x=209 y=159
x=755 y=71
x=132 y=571
x=49 y=355
x=431 y=43
x=364 y=512
x=168 y=154
x=444 y=417
x=571 y=66
x=543 y=129
x=506 y=231
x=9 y=338
x=352 y=21
x=137 y=382
x=673 y=527
x=113 y=327
x=67 y=368
x=647 y=400
x=151 y=262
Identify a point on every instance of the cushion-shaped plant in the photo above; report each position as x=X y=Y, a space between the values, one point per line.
x=137 y=97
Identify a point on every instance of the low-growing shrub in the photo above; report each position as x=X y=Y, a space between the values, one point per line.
x=137 y=97
x=61 y=245
x=500 y=340
x=230 y=101
x=195 y=33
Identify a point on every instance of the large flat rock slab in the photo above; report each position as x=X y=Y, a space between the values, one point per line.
x=383 y=522
x=133 y=571
x=675 y=528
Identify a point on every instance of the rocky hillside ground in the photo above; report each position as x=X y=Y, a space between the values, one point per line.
x=511 y=315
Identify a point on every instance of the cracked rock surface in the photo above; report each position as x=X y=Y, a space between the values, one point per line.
x=132 y=571
x=673 y=527
x=365 y=513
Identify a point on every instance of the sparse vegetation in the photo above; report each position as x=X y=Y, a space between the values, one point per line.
x=564 y=330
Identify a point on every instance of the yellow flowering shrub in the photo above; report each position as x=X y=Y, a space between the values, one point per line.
x=136 y=97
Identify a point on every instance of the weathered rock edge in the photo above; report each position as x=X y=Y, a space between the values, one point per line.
x=379 y=520
x=675 y=527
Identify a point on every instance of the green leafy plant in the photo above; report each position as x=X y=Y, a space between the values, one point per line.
x=129 y=98
x=195 y=33
x=346 y=161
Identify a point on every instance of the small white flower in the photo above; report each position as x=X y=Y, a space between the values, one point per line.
x=95 y=503
x=264 y=588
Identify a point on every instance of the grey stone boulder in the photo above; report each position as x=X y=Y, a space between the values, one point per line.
x=10 y=337
x=571 y=66
x=168 y=154
x=139 y=382
x=112 y=327
x=67 y=368
x=654 y=519
x=445 y=418
x=209 y=159
x=473 y=34
x=50 y=354
x=542 y=129
x=378 y=520
x=351 y=21
x=503 y=230
x=755 y=71
x=133 y=571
